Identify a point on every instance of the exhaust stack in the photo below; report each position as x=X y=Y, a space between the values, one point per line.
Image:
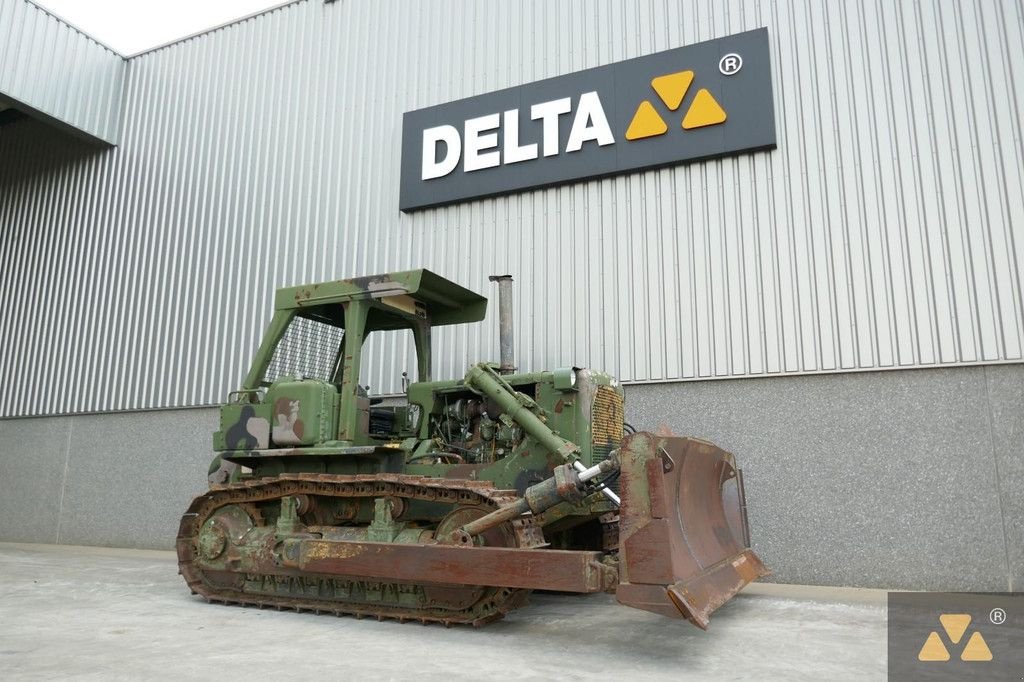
x=508 y=363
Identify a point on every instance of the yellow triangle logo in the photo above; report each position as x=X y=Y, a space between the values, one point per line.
x=955 y=625
x=933 y=649
x=976 y=649
x=705 y=111
x=672 y=87
x=646 y=122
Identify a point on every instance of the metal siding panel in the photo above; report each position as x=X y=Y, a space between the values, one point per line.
x=885 y=231
x=55 y=69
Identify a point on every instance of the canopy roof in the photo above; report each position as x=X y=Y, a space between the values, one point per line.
x=445 y=301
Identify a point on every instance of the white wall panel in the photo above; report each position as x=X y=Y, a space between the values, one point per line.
x=49 y=67
x=886 y=231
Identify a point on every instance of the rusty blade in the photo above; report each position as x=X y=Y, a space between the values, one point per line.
x=681 y=553
x=697 y=598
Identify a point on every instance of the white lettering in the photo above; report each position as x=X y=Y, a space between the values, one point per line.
x=549 y=113
x=475 y=143
x=477 y=147
x=432 y=168
x=512 y=152
x=590 y=124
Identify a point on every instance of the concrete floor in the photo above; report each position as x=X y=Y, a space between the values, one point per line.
x=97 y=613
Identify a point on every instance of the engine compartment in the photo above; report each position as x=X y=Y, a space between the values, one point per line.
x=474 y=428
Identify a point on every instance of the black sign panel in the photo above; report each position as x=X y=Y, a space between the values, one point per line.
x=695 y=102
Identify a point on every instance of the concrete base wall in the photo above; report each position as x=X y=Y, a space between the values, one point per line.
x=116 y=480
x=902 y=479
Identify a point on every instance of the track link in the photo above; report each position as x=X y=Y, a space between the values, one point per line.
x=493 y=605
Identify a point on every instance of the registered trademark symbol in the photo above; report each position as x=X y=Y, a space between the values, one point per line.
x=997 y=616
x=730 y=64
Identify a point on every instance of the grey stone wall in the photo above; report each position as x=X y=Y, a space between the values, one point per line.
x=901 y=479
x=118 y=480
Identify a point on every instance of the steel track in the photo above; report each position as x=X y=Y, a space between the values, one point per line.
x=491 y=606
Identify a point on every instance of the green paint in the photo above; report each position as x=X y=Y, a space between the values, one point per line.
x=508 y=429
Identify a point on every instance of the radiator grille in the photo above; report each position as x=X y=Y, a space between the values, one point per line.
x=606 y=418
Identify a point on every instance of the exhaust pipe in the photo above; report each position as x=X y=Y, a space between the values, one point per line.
x=508 y=364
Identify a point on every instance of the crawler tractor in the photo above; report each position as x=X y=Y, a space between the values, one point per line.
x=453 y=504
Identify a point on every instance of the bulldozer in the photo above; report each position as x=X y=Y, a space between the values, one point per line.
x=451 y=503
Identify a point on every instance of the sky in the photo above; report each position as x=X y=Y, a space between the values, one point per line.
x=132 y=26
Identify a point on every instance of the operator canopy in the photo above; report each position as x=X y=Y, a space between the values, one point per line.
x=421 y=293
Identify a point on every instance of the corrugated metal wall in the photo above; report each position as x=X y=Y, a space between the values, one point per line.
x=885 y=231
x=55 y=69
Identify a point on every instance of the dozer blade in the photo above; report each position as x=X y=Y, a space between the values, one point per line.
x=682 y=529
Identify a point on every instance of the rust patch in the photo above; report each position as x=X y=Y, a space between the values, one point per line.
x=316 y=551
x=680 y=558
